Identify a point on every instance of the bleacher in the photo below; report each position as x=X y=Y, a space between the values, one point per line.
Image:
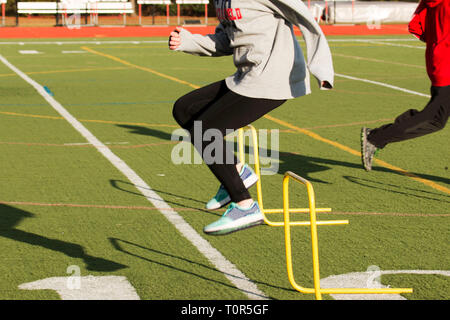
x=190 y=2
x=179 y=3
x=167 y=3
x=93 y=8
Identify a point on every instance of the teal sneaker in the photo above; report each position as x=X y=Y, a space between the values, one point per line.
x=236 y=218
x=222 y=197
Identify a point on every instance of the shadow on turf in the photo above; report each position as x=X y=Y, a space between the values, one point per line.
x=305 y=165
x=146 y=131
x=116 y=244
x=395 y=188
x=300 y=164
x=115 y=184
x=10 y=217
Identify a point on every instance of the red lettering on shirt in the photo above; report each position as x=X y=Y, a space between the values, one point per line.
x=238 y=13
x=228 y=14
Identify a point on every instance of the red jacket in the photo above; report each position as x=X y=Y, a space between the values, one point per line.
x=431 y=24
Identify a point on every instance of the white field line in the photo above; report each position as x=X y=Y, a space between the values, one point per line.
x=378 y=60
x=384 y=85
x=397 y=44
x=230 y=271
x=21 y=43
x=386 y=42
x=369 y=279
x=29 y=52
x=382 y=41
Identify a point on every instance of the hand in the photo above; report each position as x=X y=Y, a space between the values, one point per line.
x=175 y=39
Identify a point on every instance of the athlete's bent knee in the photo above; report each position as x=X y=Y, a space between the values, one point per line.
x=179 y=113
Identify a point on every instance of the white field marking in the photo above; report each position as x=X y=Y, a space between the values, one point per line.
x=397 y=44
x=378 y=60
x=29 y=52
x=363 y=279
x=90 y=288
x=386 y=42
x=165 y=41
x=384 y=85
x=21 y=43
x=230 y=271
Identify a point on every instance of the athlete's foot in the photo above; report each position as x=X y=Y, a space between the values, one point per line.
x=236 y=218
x=222 y=197
x=245 y=203
x=239 y=167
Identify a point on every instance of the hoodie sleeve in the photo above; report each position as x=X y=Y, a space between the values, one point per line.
x=417 y=25
x=319 y=59
x=213 y=45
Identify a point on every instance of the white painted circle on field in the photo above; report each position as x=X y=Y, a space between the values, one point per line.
x=362 y=279
x=86 y=288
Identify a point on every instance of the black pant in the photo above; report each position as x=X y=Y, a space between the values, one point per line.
x=219 y=108
x=412 y=123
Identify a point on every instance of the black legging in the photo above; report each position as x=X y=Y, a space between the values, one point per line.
x=217 y=107
x=413 y=123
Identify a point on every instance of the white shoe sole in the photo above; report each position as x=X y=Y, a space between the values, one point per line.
x=239 y=224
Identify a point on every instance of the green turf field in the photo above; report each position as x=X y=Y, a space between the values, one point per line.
x=62 y=203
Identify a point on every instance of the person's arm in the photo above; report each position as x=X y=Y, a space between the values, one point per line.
x=216 y=44
x=319 y=59
x=417 y=24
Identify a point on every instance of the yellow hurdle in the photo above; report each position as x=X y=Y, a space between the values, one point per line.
x=259 y=187
x=315 y=248
x=313 y=223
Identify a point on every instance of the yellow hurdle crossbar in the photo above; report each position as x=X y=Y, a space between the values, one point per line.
x=313 y=223
x=259 y=186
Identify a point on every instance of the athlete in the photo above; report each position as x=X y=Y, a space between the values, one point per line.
x=431 y=24
x=271 y=68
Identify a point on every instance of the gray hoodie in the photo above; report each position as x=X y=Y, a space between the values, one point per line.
x=259 y=34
